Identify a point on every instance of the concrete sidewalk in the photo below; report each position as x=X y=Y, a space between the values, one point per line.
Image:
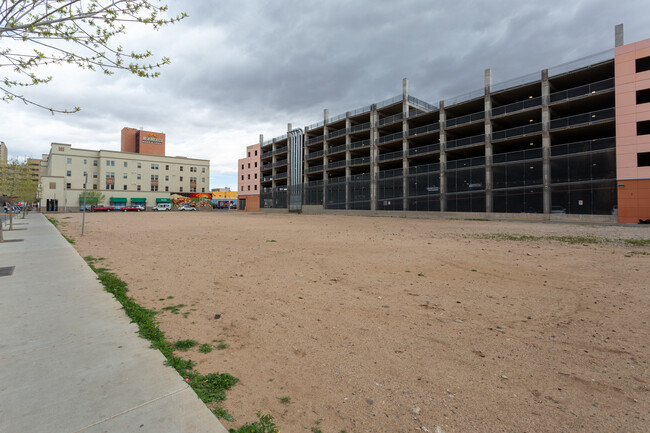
x=70 y=361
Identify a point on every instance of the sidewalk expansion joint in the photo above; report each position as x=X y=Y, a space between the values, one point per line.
x=185 y=387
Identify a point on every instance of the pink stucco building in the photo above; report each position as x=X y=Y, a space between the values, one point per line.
x=248 y=182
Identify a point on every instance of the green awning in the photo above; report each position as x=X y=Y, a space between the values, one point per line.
x=118 y=199
x=138 y=200
x=163 y=200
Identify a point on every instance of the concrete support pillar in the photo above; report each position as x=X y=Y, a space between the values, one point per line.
x=326 y=115
x=546 y=142
x=618 y=35
x=405 y=143
x=488 y=142
x=443 y=159
x=289 y=156
x=374 y=156
x=348 y=125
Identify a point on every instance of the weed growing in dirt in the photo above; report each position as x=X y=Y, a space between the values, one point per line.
x=68 y=239
x=175 y=309
x=638 y=242
x=285 y=400
x=205 y=348
x=54 y=222
x=420 y=274
x=271 y=240
x=222 y=413
x=184 y=345
x=185 y=314
x=209 y=388
x=221 y=345
x=170 y=297
x=264 y=424
x=161 y=299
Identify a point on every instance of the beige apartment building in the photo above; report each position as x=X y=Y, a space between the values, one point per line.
x=124 y=178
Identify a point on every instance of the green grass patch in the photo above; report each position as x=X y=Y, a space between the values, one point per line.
x=638 y=242
x=285 y=400
x=584 y=240
x=264 y=424
x=184 y=345
x=222 y=413
x=210 y=387
x=221 y=345
x=175 y=309
x=271 y=240
x=54 y=221
x=69 y=239
x=205 y=348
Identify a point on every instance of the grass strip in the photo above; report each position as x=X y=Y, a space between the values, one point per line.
x=211 y=387
x=573 y=240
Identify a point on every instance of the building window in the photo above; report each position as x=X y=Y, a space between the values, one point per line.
x=242 y=166
x=249 y=187
x=166 y=178
x=249 y=165
x=52 y=185
x=94 y=175
x=138 y=187
x=255 y=175
x=181 y=168
x=154 y=166
x=125 y=164
x=249 y=176
x=256 y=164
x=202 y=189
x=643 y=64
x=255 y=187
x=69 y=161
x=94 y=186
x=181 y=179
x=124 y=188
x=154 y=187
x=202 y=169
x=256 y=153
x=643 y=96
x=166 y=189
x=643 y=159
x=125 y=176
x=112 y=163
x=68 y=185
x=139 y=176
x=202 y=179
x=154 y=177
x=85 y=161
x=85 y=173
x=180 y=189
x=139 y=165
x=643 y=127
x=94 y=163
x=242 y=187
x=68 y=173
x=167 y=167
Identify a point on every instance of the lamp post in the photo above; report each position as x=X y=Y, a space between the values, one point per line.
x=83 y=218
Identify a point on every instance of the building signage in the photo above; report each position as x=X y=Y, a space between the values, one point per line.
x=151 y=138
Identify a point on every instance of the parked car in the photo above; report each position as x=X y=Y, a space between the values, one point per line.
x=135 y=208
x=162 y=206
x=102 y=208
x=89 y=208
x=186 y=207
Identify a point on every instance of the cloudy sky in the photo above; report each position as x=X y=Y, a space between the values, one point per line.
x=241 y=68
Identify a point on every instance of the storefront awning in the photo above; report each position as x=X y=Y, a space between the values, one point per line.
x=118 y=199
x=163 y=200
x=138 y=200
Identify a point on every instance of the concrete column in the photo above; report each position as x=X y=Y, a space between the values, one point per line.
x=289 y=156
x=443 y=159
x=546 y=142
x=618 y=35
x=405 y=143
x=326 y=115
x=348 y=140
x=488 y=142
x=374 y=156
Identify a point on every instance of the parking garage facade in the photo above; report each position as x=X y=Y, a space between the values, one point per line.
x=540 y=144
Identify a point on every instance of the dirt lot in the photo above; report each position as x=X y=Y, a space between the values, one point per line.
x=395 y=324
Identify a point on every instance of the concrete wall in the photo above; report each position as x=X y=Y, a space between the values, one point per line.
x=633 y=181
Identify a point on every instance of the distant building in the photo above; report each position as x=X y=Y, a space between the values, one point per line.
x=35 y=169
x=223 y=197
x=143 y=142
x=248 y=181
x=3 y=152
x=123 y=177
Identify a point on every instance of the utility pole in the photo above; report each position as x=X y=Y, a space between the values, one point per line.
x=83 y=219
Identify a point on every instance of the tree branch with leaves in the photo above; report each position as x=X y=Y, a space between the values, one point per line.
x=77 y=32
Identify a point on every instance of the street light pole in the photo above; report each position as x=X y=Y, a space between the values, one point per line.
x=83 y=219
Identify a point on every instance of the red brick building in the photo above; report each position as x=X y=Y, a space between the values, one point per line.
x=145 y=142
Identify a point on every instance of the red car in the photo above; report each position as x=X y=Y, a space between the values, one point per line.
x=102 y=208
x=132 y=209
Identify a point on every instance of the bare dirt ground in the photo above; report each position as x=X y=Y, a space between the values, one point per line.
x=395 y=324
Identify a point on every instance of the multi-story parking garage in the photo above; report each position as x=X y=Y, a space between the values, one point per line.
x=543 y=143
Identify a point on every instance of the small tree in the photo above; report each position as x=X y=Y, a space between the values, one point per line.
x=92 y=197
x=78 y=32
x=14 y=179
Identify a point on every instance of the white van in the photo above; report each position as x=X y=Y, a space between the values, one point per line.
x=162 y=206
